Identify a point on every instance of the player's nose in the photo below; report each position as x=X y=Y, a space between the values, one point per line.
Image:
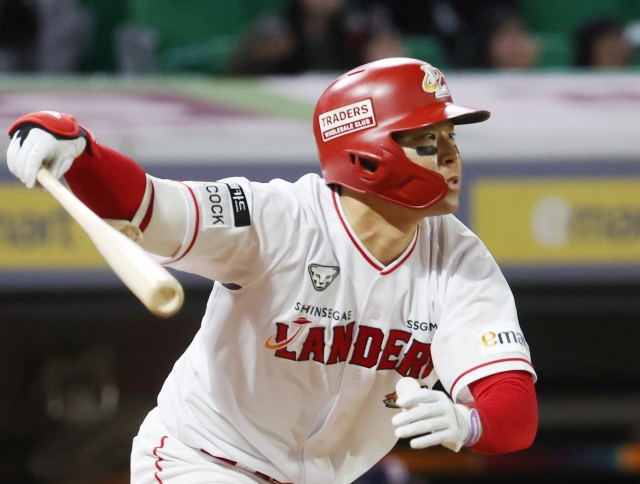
x=448 y=154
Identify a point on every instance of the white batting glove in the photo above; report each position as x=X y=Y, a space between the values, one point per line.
x=435 y=419
x=33 y=146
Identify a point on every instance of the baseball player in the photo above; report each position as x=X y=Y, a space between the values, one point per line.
x=327 y=292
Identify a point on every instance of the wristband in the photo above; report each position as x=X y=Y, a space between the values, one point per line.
x=475 y=428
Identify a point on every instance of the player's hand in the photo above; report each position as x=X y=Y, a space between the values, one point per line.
x=47 y=139
x=432 y=418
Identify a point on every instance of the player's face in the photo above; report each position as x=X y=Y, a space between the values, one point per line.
x=434 y=147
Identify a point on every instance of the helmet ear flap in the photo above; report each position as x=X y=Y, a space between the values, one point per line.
x=365 y=163
x=366 y=166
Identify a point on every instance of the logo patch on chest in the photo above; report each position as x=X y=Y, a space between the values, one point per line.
x=322 y=276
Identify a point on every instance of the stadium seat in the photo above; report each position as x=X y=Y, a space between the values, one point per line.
x=180 y=23
x=269 y=6
x=557 y=49
x=100 y=55
x=426 y=48
x=568 y=15
x=632 y=9
x=195 y=35
x=210 y=56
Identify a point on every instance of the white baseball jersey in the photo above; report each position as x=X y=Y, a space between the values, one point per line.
x=293 y=370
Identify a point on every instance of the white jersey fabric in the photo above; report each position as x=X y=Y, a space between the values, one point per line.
x=305 y=335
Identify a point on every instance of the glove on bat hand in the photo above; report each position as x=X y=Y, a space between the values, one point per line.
x=44 y=138
x=435 y=419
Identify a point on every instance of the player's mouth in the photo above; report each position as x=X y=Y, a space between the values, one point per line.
x=453 y=182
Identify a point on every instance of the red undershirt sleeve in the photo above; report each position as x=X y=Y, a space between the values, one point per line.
x=508 y=409
x=111 y=184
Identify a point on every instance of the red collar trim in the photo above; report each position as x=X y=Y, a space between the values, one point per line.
x=365 y=253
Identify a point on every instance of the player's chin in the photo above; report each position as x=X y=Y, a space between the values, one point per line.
x=449 y=204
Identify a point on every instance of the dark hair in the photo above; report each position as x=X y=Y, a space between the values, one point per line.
x=589 y=34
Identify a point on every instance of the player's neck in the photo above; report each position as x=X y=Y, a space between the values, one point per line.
x=385 y=229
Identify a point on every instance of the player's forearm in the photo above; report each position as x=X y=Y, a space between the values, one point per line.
x=116 y=187
x=508 y=411
x=109 y=183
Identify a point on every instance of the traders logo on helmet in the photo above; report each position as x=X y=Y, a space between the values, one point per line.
x=434 y=82
x=347 y=119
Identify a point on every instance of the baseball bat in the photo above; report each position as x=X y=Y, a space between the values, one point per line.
x=156 y=288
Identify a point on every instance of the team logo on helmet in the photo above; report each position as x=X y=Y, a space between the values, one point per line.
x=322 y=276
x=434 y=82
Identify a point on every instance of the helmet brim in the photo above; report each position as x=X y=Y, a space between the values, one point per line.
x=447 y=111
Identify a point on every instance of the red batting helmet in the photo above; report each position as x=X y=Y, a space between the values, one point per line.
x=357 y=114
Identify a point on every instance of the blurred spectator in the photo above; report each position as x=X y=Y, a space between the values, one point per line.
x=316 y=35
x=502 y=41
x=18 y=35
x=474 y=34
x=440 y=19
x=601 y=43
x=89 y=437
x=66 y=29
x=43 y=35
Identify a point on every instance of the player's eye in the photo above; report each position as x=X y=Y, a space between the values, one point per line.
x=427 y=150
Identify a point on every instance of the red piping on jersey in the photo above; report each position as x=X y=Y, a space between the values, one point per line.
x=486 y=364
x=228 y=461
x=234 y=463
x=399 y=263
x=195 y=232
x=155 y=452
x=383 y=271
x=149 y=213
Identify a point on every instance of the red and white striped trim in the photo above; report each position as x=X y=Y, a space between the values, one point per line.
x=196 y=227
x=147 y=216
x=145 y=210
x=243 y=467
x=384 y=270
x=193 y=225
x=489 y=368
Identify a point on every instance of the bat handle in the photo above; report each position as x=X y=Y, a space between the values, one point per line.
x=156 y=288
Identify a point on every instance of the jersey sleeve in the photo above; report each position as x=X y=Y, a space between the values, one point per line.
x=237 y=231
x=478 y=330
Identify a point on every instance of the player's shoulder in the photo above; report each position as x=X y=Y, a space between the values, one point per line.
x=309 y=189
x=309 y=183
x=307 y=186
x=449 y=224
x=301 y=201
x=451 y=235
